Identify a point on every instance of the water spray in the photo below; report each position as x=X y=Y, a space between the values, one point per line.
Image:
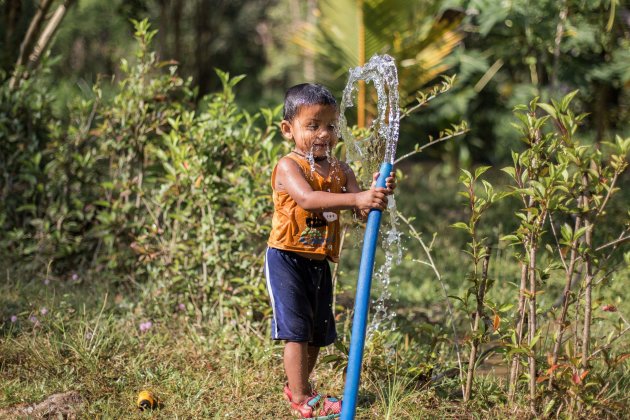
x=381 y=71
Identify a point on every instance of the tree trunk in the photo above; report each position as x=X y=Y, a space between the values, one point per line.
x=47 y=34
x=29 y=39
x=12 y=14
x=203 y=32
x=162 y=35
x=481 y=293
x=532 y=325
x=361 y=48
x=309 y=56
x=520 y=323
x=177 y=30
x=564 y=11
x=565 y=297
x=586 y=335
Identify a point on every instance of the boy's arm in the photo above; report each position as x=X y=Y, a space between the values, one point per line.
x=352 y=186
x=289 y=177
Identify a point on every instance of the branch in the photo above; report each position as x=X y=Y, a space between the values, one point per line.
x=555 y=236
x=607 y=345
x=613 y=243
x=427 y=251
x=460 y=132
x=421 y=102
x=433 y=93
x=608 y=194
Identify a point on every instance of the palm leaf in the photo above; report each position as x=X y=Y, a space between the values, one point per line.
x=407 y=30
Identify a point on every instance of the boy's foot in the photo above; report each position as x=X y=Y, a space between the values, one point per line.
x=314 y=406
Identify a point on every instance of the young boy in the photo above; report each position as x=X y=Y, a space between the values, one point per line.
x=310 y=187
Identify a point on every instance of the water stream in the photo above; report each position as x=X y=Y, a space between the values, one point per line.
x=378 y=146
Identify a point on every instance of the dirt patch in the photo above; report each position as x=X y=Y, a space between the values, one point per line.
x=66 y=405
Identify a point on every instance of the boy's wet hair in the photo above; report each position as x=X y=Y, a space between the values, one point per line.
x=306 y=94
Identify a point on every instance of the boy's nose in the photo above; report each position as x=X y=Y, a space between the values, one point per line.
x=326 y=132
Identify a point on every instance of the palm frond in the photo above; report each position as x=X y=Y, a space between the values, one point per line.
x=407 y=30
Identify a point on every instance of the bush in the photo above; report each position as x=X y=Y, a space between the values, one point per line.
x=147 y=185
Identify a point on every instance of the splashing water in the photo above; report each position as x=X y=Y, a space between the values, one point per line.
x=379 y=146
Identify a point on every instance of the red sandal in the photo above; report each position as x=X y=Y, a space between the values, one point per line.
x=316 y=406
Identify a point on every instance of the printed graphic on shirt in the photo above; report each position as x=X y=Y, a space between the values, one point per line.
x=315 y=221
x=315 y=232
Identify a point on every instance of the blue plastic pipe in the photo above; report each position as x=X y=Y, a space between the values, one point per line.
x=361 y=304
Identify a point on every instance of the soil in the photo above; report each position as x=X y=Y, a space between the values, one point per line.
x=66 y=405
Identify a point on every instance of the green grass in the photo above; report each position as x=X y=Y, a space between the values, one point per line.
x=89 y=341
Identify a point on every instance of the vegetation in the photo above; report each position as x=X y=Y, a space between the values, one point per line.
x=133 y=219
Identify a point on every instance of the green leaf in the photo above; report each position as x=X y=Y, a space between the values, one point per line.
x=102 y=203
x=510 y=171
x=481 y=170
x=461 y=225
x=549 y=110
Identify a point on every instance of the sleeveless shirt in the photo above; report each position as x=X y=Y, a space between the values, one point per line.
x=298 y=230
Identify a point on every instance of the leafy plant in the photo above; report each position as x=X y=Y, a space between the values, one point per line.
x=479 y=252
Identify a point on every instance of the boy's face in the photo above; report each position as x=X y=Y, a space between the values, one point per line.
x=313 y=129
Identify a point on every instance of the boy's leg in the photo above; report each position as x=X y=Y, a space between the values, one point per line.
x=313 y=352
x=297 y=365
x=296 y=356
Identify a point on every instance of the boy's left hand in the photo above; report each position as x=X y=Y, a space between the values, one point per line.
x=390 y=182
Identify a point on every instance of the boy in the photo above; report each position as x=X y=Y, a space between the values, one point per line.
x=309 y=189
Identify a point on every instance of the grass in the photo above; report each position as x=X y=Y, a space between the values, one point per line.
x=89 y=341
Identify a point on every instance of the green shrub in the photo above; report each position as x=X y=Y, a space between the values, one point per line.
x=148 y=185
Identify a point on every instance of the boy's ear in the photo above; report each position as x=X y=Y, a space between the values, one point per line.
x=286 y=129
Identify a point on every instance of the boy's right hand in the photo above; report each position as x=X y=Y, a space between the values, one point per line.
x=375 y=198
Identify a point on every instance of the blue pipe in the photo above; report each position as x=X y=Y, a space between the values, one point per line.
x=361 y=304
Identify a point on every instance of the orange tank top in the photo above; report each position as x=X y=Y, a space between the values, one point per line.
x=298 y=230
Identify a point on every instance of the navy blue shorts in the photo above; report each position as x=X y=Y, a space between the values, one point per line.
x=301 y=294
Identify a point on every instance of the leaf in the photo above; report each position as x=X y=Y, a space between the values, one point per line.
x=461 y=225
x=481 y=170
x=496 y=321
x=564 y=104
x=456 y=298
x=102 y=203
x=549 y=110
x=549 y=407
x=331 y=358
x=510 y=171
x=466 y=176
x=552 y=368
x=583 y=375
x=621 y=357
x=510 y=238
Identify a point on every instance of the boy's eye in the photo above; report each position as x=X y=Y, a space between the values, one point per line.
x=312 y=127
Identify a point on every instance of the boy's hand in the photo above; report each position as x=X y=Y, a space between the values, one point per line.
x=375 y=198
x=390 y=182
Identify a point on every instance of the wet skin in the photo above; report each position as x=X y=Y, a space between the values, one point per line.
x=313 y=131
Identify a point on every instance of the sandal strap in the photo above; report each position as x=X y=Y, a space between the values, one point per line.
x=314 y=401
